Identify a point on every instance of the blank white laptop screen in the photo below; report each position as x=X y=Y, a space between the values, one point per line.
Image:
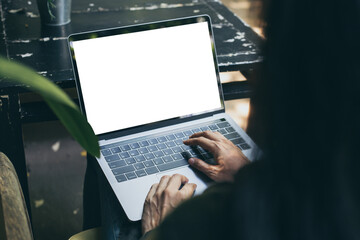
x=138 y=78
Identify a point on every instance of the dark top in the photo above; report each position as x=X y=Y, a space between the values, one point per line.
x=261 y=205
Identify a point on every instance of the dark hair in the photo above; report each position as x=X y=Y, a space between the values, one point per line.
x=306 y=108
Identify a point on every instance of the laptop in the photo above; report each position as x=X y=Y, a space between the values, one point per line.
x=144 y=89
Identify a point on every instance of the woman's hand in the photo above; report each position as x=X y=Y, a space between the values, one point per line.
x=229 y=158
x=163 y=197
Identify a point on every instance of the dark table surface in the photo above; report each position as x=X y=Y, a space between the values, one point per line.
x=24 y=39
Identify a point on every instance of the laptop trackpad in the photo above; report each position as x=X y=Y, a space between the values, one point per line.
x=197 y=178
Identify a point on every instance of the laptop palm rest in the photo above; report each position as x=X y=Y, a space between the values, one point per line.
x=199 y=179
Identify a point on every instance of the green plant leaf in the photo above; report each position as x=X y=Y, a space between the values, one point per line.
x=77 y=125
x=64 y=108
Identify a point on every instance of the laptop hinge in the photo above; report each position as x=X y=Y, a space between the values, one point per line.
x=217 y=114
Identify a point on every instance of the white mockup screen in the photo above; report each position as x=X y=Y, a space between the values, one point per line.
x=133 y=79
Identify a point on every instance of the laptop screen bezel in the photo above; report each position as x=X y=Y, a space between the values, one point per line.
x=138 y=28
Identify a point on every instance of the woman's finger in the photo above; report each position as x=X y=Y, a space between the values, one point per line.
x=207 y=169
x=176 y=181
x=206 y=134
x=162 y=185
x=151 y=192
x=188 y=189
x=203 y=142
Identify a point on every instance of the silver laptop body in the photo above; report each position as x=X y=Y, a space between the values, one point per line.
x=145 y=88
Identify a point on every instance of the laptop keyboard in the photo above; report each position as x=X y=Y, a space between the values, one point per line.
x=146 y=156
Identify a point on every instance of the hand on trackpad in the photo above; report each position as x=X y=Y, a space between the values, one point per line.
x=199 y=179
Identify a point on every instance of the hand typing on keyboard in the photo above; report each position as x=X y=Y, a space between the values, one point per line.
x=163 y=197
x=228 y=157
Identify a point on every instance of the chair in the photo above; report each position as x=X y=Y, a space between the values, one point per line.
x=91 y=234
x=14 y=218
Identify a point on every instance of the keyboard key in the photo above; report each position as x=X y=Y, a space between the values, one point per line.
x=112 y=158
x=158 y=161
x=161 y=146
x=196 y=130
x=131 y=175
x=134 y=153
x=149 y=163
x=222 y=131
x=170 y=144
x=179 y=142
x=238 y=141
x=232 y=135
x=151 y=170
x=213 y=127
x=194 y=153
x=140 y=158
x=170 y=137
x=172 y=165
x=104 y=147
x=144 y=143
x=149 y=156
x=177 y=157
x=245 y=146
x=143 y=150
x=121 y=178
x=124 y=155
x=179 y=135
x=188 y=133
x=158 y=154
x=223 y=125
x=162 y=139
x=106 y=152
x=186 y=148
x=139 y=166
x=168 y=151
x=205 y=128
x=123 y=170
x=134 y=145
x=177 y=149
x=130 y=161
x=125 y=147
x=140 y=173
x=152 y=148
x=167 y=159
x=116 y=150
x=153 y=141
x=117 y=164
x=186 y=155
x=230 y=129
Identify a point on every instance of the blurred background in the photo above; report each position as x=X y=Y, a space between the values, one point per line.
x=56 y=163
